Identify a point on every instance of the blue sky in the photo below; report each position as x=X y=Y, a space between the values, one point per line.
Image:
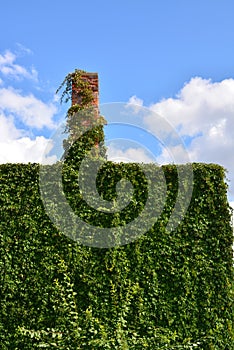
x=174 y=57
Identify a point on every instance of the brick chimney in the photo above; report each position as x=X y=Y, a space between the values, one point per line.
x=92 y=79
x=76 y=98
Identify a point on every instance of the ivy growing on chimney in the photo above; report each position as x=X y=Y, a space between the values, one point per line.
x=83 y=115
x=76 y=79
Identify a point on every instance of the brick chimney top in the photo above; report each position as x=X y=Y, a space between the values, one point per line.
x=92 y=79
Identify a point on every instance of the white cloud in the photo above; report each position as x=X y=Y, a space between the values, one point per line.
x=25 y=150
x=129 y=155
x=199 y=106
x=23 y=50
x=8 y=67
x=8 y=131
x=26 y=110
x=173 y=155
x=135 y=101
x=30 y=110
x=204 y=111
x=16 y=148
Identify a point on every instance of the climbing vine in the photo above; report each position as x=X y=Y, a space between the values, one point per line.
x=75 y=79
x=82 y=114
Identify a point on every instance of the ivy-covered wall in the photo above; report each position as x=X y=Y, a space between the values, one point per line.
x=164 y=290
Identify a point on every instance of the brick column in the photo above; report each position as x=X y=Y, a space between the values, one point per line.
x=92 y=79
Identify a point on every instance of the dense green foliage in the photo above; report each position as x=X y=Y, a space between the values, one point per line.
x=165 y=290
